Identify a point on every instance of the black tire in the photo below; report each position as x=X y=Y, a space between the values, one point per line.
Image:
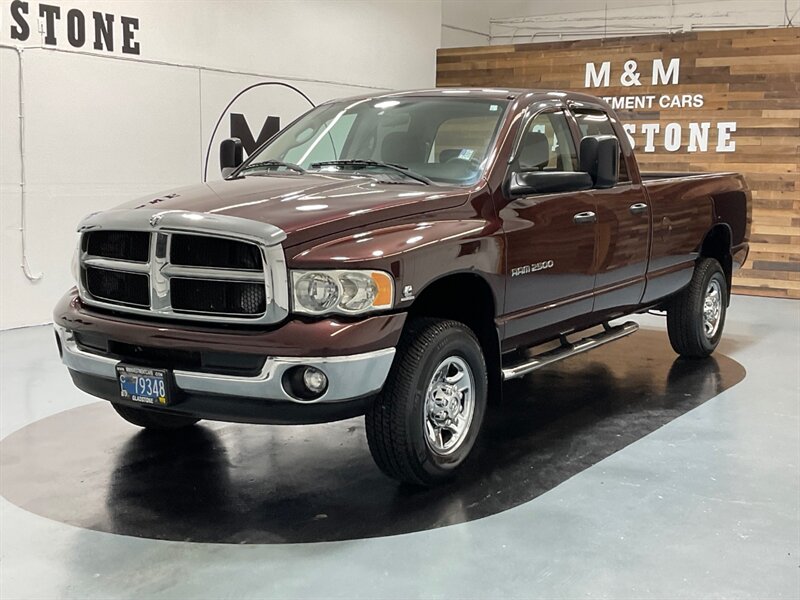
x=685 y=312
x=150 y=419
x=396 y=419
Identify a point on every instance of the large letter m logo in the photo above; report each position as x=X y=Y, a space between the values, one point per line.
x=240 y=129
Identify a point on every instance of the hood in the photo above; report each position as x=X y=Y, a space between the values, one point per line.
x=307 y=206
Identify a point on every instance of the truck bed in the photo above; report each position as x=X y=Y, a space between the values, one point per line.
x=724 y=195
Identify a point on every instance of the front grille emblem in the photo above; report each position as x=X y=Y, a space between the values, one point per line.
x=155 y=219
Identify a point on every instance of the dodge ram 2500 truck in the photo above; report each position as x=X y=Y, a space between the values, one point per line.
x=396 y=256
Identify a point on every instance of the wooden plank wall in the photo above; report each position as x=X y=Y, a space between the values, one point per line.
x=751 y=77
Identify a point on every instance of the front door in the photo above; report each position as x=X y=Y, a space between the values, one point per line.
x=550 y=238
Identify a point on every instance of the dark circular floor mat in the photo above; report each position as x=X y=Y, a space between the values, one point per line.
x=257 y=484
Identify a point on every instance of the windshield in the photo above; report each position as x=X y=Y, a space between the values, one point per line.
x=432 y=139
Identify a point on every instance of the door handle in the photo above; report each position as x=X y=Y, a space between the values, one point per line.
x=638 y=209
x=585 y=217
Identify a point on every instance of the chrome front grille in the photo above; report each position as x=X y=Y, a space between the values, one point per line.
x=184 y=265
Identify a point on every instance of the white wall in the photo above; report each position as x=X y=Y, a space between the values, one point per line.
x=468 y=22
x=478 y=22
x=100 y=130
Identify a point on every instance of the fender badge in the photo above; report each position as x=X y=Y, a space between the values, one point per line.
x=539 y=266
x=408 y=293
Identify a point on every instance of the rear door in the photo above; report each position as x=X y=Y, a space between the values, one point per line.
x=623 y=224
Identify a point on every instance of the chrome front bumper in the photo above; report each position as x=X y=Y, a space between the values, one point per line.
x=349 y=377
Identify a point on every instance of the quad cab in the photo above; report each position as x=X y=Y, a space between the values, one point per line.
x=396 y=256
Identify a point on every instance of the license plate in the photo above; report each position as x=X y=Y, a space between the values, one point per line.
x=143 y=384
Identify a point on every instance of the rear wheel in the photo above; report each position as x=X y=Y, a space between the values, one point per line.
x=423 y=424
x=696 y=316
x=152 y=420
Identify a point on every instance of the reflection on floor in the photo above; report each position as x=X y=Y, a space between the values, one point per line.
x=270 y=484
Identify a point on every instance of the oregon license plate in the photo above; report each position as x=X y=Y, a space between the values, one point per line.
x=143 y=384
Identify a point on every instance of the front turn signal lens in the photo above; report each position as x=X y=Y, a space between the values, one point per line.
x=385 y=289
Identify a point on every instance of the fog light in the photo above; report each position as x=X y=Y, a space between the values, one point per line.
x=305 y=382
x=315 y=380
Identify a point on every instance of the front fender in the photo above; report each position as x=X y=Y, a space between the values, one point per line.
x=416 y=254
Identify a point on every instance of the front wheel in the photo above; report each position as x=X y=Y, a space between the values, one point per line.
x=423 y=424
x=696 y=315
x=150 y=419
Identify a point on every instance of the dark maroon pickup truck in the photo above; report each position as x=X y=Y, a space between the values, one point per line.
x=397 y=256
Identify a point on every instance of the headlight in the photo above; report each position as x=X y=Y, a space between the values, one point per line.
x=344 y=292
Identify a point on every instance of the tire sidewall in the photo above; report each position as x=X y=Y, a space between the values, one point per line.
x=453 y=342
x=715 y=272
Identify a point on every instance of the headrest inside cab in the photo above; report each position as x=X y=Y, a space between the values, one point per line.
x=535 y=151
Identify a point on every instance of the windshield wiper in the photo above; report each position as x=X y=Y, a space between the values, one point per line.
x=358 y=163
x=274 y=164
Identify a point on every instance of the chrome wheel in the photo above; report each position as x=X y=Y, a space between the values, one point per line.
x=449 y=405
x=712 y=308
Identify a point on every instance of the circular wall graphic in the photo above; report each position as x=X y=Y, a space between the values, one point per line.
x=271 y=126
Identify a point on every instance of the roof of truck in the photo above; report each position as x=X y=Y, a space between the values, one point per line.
x=491 y=93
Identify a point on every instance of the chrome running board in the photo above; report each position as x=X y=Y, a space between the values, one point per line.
x=567 y=349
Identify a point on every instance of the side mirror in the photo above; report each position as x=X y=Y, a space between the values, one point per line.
x=526 y=183
x=600 y=159
x=231 y=155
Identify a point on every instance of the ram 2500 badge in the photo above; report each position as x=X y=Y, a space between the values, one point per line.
x=396 y=256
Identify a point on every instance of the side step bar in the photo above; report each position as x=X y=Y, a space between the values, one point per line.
x=568 y=349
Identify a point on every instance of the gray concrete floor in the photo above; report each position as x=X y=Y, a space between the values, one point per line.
x=707 y=506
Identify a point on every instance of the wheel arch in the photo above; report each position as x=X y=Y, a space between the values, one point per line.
x=466 y=297
x=717 y=244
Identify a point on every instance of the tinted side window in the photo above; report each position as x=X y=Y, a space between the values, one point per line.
x=547 y=144
x=595 y=122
